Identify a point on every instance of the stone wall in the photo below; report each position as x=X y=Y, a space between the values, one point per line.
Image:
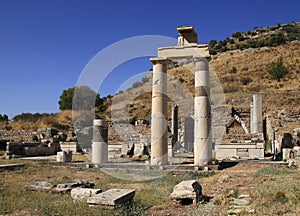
x=31 y=149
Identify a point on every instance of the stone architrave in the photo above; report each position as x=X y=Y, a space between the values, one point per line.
x=99 y=145
x=159 y=132
x=202 y=113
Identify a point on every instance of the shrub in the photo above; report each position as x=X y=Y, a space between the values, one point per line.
x=181 y=80
x=233 y=70
x=246 y=80
x=278 y=70
x=236 y=34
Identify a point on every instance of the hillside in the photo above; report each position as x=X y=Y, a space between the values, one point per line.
x=241 y=71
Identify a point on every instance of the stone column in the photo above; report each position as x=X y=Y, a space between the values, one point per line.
x=202 y=113
x=159 y=132
x=174 y=127
x=257 y=122
x=99 y=146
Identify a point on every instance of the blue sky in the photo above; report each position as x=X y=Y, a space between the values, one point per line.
x=45 y=44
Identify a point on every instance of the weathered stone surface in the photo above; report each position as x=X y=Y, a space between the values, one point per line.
x=40 y=186
x=81 y=194
x=240 y=202
x=64 y=156
x=67 y=187
x=187 y=191
x=112 y=197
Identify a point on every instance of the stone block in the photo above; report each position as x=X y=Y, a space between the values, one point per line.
x=64 y=156
x=39 y=186
x=256 y=153
x=112 y=197
x=260 y=145
x=82 y=194
x=187 y=192
x=286 y=153
x=67 y=187
x=225 y=153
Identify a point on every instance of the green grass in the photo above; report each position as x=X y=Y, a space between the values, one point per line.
x=278 y=191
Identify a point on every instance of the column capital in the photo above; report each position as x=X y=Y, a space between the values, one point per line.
x=160 y=60
x=197 y=58
x=100 y=122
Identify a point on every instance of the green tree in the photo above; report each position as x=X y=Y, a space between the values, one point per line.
x=82 y=97
x=236 y=34
x=3 y=118
x=278 y=70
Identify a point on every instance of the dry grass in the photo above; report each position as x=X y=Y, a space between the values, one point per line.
x=274 y=190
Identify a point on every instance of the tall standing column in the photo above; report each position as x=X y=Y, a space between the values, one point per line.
x=202 y=113
x=257 y=114
x=99 y=146
x=174 y=127
x=159 y=132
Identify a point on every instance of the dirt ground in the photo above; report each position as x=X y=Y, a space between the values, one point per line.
x=219 y=189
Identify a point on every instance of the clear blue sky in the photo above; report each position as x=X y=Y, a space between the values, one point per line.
x=45 y=44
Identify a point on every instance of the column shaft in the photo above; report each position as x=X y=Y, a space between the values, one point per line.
x=159 y=132
x=257 y=114
x=202 y=114
x=99 y=146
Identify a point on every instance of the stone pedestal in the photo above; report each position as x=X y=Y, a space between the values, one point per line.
x=159 y=138
x=202 y=113
x=99 y=145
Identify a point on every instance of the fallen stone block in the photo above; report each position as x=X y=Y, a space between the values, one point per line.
x=39 y=186
x=82 y=194
x=187 y=192
x=67 y=187
x=112 y=197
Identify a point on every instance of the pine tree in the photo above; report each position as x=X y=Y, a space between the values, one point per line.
x=278 y=70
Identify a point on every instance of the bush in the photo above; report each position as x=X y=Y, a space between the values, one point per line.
x=181 y=80
x=278 y=70
x=236 y=34
x=233 y=70
x=246 y=80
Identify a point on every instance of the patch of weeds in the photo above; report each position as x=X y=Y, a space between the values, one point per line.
x=273 y=171
x=134 y=209
x=146 y=196
x=233 y=192
x=280 y=197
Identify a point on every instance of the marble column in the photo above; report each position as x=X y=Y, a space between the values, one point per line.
x=202 y=113
x=159 y=132
x=257 y=122
x=99 y=145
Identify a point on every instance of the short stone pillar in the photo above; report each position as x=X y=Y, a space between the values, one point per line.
x=256 y=111
x=174 y=127
x=202 y=113
x=64 y=156
x=99 y=145
x=159 y=132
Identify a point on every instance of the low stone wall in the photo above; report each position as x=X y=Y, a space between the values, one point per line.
x=248 y=146
x=70 y=146
x=31 y=149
